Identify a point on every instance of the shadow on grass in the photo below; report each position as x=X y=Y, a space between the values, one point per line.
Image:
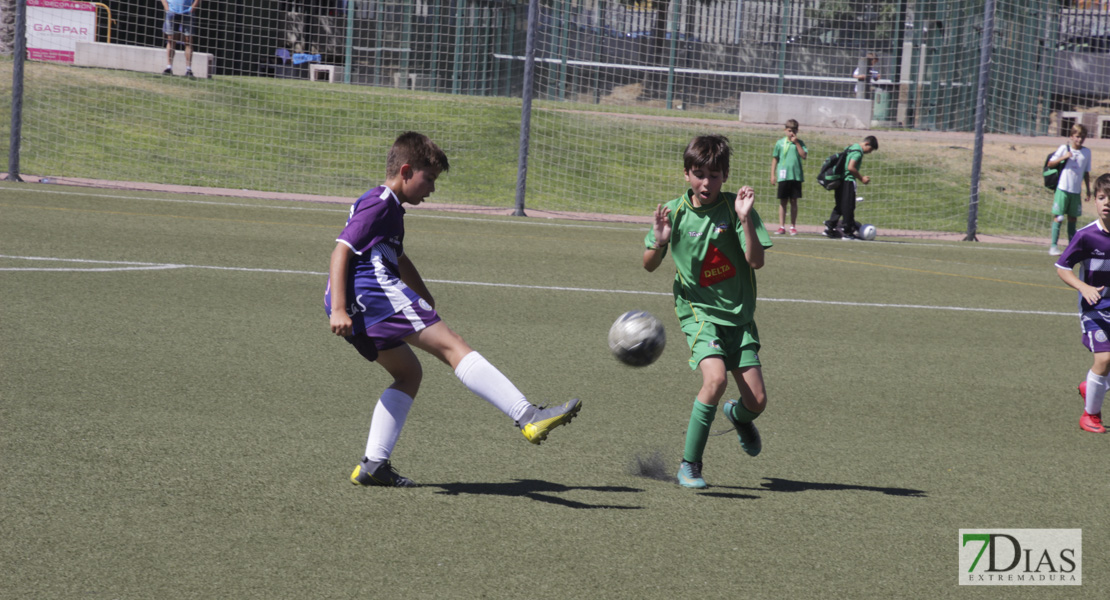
x=785 y=485
x=774 y=484
x=729 y=495
x=535 y=489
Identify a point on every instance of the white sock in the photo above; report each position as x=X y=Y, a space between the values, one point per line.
x=1096 y=391
x=488 y=383
x=385 y=427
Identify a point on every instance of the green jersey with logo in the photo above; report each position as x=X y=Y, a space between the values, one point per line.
x=713 y=280
x=855 y=152
x=789 y=166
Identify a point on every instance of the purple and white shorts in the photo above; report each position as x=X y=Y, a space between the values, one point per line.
x=1096 y=330
x=390 y=333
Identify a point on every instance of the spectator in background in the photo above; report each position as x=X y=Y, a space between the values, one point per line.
x=866 y=75
x=179 y=28
x=786 y=173
x=1074 y=162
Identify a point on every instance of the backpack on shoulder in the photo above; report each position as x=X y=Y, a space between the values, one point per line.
x=1052 y=174
x=831 y=174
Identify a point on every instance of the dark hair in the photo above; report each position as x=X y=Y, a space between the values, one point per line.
x=710 y=151
x=416 y=150
x=872 y=141
x=1102 y=184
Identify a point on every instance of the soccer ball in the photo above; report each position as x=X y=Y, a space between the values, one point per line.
x=867 y=232
x=637 y=338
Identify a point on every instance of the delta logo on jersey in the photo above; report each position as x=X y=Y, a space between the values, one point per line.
x=716 y=267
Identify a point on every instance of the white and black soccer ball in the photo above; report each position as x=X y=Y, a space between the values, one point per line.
x=867 y=232
x=637 y=338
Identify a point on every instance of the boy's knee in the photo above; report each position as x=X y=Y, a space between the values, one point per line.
x=714 y=385
x=409 y=378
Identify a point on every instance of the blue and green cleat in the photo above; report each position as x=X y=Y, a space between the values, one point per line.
x=541 y=420
x=689 y=476
x=750 y=442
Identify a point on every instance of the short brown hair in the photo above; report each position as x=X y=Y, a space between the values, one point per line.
x=1079 y=129
x=710 y=151
x=416 y=150
x=792 y=124
x=1102 y=184
x=872 y=141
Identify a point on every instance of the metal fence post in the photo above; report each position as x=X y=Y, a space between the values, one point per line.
x=526 y=106
x=985 y=45
x=17 y=89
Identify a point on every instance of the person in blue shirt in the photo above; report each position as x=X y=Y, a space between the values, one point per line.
x=178 y=27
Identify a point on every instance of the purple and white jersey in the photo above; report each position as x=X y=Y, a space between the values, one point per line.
x=1090 y=247
x=375 y=232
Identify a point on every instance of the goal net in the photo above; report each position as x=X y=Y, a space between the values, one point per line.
x=306 y=96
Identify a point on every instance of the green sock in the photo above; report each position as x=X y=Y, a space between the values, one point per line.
x=1071 y=230
x=742 y=414
x=697 y=433
x=1055 y=231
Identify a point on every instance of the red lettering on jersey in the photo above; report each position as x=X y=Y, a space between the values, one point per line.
x=716 y=267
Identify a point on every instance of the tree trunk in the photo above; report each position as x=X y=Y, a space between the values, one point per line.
x=7 y=26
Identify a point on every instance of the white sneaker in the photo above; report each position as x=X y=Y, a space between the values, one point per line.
x=1054 y=250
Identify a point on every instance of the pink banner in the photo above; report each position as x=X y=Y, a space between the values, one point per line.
x=54 y=55
x=63 y=4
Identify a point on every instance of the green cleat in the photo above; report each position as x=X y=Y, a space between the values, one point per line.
x=383 y=475
x=541 y=420
x=689 y=476
x=750 y=442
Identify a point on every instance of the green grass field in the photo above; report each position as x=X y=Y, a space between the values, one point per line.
x=176 y=420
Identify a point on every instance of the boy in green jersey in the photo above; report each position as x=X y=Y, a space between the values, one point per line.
x=845 y=209
x=786 y=173
x=717 y=242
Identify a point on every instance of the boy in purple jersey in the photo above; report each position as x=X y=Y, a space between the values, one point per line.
x=1090 y=247
x=380 y=305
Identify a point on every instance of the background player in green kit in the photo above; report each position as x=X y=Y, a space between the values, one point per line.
x=786 y=173
x=717 y=241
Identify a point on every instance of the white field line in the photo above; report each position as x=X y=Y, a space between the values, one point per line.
x=146 y=266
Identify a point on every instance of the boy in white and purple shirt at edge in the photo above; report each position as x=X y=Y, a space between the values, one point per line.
x=1090 y=247
x=380 y=305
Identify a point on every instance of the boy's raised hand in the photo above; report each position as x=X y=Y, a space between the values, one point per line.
x=745 y=200
x=661 y=225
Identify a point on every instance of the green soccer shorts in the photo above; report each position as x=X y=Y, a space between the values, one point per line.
x=737 y=345
x=1064 y=203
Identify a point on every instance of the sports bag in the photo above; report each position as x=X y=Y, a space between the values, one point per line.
x=1052 y=174
x=832 y=170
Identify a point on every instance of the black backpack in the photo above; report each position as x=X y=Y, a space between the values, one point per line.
x=1052 y=174
x=832 y=170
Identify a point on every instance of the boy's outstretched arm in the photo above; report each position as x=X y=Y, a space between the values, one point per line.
x=412 y=278
x=753 y=250
x=340 y=321
x=661 y=227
